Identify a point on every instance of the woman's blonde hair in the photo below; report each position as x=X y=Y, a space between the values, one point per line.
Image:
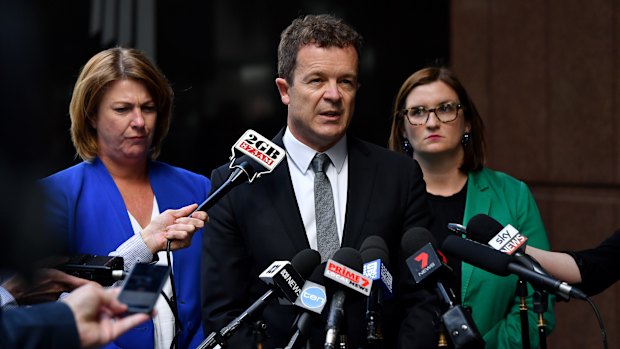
x=103 y=68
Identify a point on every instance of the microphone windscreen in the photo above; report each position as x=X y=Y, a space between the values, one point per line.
x=374 y=241
x=317 y=274
x=478 y=255
x=250 y=165
x=415 y=238
x=349 y=257
x=305 y=261
x=482 y=228
x=371 y=254
x=374 y=247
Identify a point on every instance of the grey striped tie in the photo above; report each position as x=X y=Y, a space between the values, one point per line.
x=327 y=234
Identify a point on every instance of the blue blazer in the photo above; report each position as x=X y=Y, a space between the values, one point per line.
x=87 y=205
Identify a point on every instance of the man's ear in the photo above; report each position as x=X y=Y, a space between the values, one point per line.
x=283 y=89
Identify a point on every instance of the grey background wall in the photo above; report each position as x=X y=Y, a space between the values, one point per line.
x=546 y=77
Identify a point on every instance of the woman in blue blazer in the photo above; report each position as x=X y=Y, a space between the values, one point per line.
x=120 y=201
x=436 y=123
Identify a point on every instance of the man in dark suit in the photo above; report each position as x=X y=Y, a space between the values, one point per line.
x=375 y=192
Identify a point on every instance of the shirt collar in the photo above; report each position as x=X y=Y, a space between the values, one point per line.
x=302 y=155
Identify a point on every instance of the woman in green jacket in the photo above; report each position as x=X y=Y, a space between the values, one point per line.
x=437 y=124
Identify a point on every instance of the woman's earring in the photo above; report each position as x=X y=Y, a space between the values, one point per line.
x=466 y=139
x=407 y=148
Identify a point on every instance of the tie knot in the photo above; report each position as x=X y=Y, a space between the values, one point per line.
x=320 y=162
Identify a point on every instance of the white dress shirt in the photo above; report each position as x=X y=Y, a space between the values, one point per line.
x=299 y=157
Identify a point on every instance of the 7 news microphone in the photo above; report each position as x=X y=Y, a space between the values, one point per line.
x=486 y=230
x=375 y=255
x=484 y=257
x=286 y=280
x=423 y=261
x=344 y=270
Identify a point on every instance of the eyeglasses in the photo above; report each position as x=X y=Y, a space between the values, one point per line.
x=446 y=112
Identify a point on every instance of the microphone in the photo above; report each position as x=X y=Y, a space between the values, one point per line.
x=486 y=230
x=261 y=157
x=375 y=255
x=501 y=264
x=286 y=280
x=313 y=298
x=423 y=261
x=344 y=270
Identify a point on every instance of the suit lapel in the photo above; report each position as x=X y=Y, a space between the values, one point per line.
x=478 y=201
x=362 y=173
x=280 y=193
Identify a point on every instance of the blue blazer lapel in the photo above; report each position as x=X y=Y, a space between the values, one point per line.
x=117 y=204
x=362 y=176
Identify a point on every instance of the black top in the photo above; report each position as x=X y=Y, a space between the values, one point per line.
x=600 y=266
x=448 y=209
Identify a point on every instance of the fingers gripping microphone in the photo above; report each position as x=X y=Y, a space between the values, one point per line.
x=344 y=270
x=486 y=230
x=501 y=264
x=261 y=156
x=285 y=279
x=375 y=255
x=419 y=244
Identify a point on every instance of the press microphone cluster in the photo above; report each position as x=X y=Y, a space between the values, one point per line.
x=333 y=282
x=424 y=261
x=286 y=280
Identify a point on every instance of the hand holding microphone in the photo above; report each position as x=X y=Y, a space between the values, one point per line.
x=508 y=240
x=495 y=262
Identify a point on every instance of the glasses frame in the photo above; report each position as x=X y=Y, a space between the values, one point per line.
x=459 y=106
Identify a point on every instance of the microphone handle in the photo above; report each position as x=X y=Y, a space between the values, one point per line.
x=303 y=325
x=374 y=333
x=336 y=313
x=217 y=339
x=545 y=282
x=234 y=179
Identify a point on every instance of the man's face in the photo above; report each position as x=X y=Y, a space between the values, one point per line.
x=321 y=98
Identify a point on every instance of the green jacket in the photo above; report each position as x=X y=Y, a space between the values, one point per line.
x=495 y=308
